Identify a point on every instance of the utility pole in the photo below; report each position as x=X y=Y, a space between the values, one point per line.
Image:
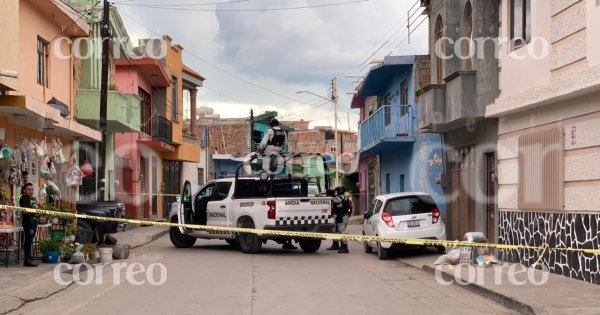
x=334 y=98
x=102 y=181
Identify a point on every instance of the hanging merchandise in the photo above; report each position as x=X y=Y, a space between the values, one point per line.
x=42 y=193
x=14 y=177
x=74 y=174
x=86 y=168
x=40 y=148
x=27 y=149
x=57 y=152
x=5 y=152
x=52 y=168
x=52 y=190
x=18 y=155
x=45 y=169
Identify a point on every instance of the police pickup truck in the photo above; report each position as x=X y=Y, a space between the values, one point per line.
x=254 y=202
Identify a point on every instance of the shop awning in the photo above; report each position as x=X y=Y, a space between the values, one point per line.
x=30 y=113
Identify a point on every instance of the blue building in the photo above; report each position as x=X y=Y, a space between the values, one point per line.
x=394 y=155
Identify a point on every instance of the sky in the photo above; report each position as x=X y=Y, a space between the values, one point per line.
x=257 y=54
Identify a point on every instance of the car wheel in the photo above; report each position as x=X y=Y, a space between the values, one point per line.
x=382 y=253
x=249 y=242
x=179 y=239
x=367 y=247
x=310 y=246
x=85 y=232
x=233 y=243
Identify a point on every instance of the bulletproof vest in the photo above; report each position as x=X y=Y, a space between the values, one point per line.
x=278 y=138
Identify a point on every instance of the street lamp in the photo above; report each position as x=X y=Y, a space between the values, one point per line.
x=334 y=100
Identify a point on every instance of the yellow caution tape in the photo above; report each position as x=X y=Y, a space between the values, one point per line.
x=316 y=235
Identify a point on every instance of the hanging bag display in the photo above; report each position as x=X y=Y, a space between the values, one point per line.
x=74 y=174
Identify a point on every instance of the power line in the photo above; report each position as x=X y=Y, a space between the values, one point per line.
x=178 y=5
x=166 y=7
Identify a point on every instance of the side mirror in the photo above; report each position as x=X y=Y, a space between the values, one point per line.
x=367 y=215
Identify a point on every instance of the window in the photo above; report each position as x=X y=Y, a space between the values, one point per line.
x=205 y=193
x=439 y=64
x=174 y=99
x=541 y=170
x=200 y=176
x=467 y=33
x=146 y=114
x=401 y=184
x=221 y=191
x=42 y=62
x=404 y=98
x=520 y=22
x=378 y=204
x=410 y=205
x=387 y=183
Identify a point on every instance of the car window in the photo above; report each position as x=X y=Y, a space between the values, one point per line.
x=378 y=206
x=410 y=205
x=372 y=206
x=221 y=191
x=205 y=192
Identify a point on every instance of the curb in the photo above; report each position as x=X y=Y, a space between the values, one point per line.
x=507 y=301
x=152 y=238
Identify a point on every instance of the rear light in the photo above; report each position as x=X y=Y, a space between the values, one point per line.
x=435 y=215
x=387 y=218
x=272 y=209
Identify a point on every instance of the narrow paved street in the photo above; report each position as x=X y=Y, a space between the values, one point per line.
x=213 y=278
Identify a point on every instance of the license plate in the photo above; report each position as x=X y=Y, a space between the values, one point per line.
x=412 y=224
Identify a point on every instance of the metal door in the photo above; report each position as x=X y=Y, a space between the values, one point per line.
x=172 y=182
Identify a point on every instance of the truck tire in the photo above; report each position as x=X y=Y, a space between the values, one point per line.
x=249 y=242
x=85 y=232
x=310 y=246
x=179 y=239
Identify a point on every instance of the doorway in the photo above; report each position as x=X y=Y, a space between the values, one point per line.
x=462 y=191
x=490 y=160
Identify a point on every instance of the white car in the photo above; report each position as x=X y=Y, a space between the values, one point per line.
x=404 y=215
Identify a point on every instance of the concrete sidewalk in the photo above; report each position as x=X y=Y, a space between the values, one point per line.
x=528 y=293
x=21 y=285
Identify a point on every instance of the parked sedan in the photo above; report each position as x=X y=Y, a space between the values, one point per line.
x=404 y=215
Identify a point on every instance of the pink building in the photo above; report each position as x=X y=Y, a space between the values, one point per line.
x=145 y=77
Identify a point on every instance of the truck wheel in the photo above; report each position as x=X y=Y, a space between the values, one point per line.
x=179 y=239
x=382 y=253
x=85 y=232
x=249 y=242
x=310 y=246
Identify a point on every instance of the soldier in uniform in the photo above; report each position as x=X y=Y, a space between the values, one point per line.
x=342 y=210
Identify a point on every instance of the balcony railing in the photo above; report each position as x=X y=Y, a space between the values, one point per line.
x=162 y=129
x=388 y=123
x=159 y=128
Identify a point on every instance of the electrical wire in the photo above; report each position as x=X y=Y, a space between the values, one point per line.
x=246 y=10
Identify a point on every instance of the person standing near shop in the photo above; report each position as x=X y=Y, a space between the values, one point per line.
x=29 y=223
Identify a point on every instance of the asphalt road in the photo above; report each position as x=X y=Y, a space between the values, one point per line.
x=213 y=278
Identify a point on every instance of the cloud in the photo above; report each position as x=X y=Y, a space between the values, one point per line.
x=281 y=51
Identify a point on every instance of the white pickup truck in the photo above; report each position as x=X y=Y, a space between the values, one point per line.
x=251 y=202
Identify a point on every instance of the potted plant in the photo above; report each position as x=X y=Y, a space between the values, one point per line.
x=89 y=251
x=70 y=232
x=67 y=250
x=51 y=249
